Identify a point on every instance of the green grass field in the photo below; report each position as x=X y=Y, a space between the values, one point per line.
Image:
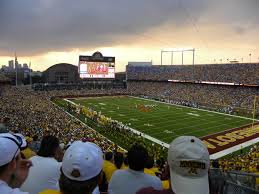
x=164 y=122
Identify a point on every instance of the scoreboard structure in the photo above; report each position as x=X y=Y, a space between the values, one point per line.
x=96 y=66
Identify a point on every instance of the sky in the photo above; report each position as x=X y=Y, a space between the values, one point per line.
x=46 y=32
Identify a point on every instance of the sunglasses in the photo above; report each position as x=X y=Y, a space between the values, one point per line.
x=17 y=141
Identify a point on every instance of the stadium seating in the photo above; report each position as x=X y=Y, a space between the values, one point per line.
x=231 y=73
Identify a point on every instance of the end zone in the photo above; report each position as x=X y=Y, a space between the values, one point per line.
x=226 y=142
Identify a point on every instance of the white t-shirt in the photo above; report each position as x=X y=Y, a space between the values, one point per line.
x=130 y=181
x=96 y=190
x=5 y=189
x=44 y=174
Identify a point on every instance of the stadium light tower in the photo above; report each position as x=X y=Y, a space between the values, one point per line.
x=173 y=50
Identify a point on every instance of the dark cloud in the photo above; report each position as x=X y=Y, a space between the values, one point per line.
x=242 y=16
x=36 y=26
x=33 y=26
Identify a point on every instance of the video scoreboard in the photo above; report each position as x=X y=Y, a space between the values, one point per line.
x=96 y=66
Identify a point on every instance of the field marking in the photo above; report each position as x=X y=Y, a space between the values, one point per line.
x=132 y=119
x=172 y=105
x=230 y=129
x=233 y=149
x=181 y=120
x=149 y=125
x=197 y=131
x=215 y=155
x=193 y=114
x=195 y=108
x=194 y=131
x=176 y=116
x=131 y=129
x=167 y=131
x=178 y=111
x=156 y=116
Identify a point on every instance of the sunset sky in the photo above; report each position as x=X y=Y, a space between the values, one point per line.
x=47 y=32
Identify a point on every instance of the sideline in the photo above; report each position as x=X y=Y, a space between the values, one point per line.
x=137 y=132
x=212 y=157
x=84 y=123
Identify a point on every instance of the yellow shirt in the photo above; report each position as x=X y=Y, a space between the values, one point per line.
x=166 y=184
x=108 y=169
x=149 y=171
x=124 y=166
x=156 y=170
x=50 y=192
x=28 y=153
x=257 y=179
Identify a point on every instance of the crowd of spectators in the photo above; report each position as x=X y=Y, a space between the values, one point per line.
x=232 y=73
x=33 y=114
x=245 y=162
x=82 y=168
x=231 y=97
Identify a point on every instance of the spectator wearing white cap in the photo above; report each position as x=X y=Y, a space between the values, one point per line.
x=131 y=180
x=46 y=169
x=81 y=169
x=189 y=164
x=13 y=169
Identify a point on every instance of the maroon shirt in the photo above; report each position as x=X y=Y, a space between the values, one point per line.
x=151 y=190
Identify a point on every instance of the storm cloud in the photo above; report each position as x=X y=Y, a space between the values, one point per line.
x=37 y=26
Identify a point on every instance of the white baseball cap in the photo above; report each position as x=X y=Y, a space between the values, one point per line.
x=9 y=148
x=189 y=163
x=82 y=161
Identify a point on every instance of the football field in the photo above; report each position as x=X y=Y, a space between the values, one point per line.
x=162 y=121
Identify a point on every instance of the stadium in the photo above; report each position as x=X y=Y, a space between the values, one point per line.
x=129 y=97
x=150 y=106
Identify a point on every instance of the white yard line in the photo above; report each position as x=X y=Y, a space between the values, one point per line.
x=197 y=131
x=213 y=156
x=194 y=108
x=132 y=130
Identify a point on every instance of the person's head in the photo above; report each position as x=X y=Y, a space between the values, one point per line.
x=118 y=159
x=150 y=162
x=215 y=164
x=81 y=168
x=9 y=154
x=6 y=121
x=189 y=163
x=108 y=156
x=126 y=160
x=137 y=157
x=35 y=138
x=49 y=147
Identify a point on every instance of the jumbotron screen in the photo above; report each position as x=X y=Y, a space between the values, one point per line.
x=96 y=66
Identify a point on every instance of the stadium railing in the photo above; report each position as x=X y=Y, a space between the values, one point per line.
x=242 y=178
x=233 y=188
x=232 y=182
